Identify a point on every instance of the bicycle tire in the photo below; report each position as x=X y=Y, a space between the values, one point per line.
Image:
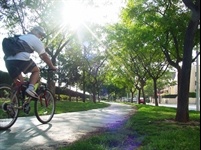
x=45 y=106
x=8 y=108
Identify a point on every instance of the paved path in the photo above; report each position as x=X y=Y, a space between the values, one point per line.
x=190 y=107
x=29 y=133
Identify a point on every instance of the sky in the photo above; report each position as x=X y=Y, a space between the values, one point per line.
x=101 y=14
x=2 y=64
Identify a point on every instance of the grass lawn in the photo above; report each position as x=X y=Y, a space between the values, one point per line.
x=150 y=128
x=66 y=106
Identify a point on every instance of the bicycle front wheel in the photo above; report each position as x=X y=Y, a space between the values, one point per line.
x=45 y=106
x=9 y=104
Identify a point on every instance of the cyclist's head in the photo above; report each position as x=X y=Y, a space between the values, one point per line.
x=38 y=31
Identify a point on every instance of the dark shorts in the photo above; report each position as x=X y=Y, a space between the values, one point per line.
x=16 y=67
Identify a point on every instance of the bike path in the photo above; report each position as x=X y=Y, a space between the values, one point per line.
x=29 y=134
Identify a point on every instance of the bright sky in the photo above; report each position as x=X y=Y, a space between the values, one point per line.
x=105 y=11
x=2 y=65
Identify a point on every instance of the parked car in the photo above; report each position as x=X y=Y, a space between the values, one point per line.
x=141 y=101
x=126 y=99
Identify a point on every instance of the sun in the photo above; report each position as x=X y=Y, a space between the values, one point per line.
x=73 y=13
x=76 y=12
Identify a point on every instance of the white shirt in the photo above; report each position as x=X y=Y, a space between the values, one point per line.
x=34 y=42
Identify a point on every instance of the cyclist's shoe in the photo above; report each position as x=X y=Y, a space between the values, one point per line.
x=32 y=93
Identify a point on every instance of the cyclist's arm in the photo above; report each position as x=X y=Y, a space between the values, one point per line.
x=47 y=60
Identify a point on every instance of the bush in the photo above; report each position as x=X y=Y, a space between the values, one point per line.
x=191 y=95
x=170 y=96
x=64 y=97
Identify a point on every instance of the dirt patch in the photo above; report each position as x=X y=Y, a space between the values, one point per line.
x=190 y=123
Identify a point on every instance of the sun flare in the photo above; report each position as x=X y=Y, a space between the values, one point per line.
x=75 y=12
x=72 y=13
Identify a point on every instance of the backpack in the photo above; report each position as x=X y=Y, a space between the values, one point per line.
x=13 y=45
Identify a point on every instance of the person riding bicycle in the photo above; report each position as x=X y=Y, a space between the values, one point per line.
x=21 y=62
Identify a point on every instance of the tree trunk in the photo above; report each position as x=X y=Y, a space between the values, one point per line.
x=139 y=95
x=84 y=87
x=143 y=94
x=94 y=97
x=155 y=93
x=183 y=95
x=132 y=96
x=51 y=83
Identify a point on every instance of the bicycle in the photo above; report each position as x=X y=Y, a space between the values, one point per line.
x=14 y=98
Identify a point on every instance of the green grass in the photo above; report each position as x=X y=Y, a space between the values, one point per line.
x=150 y=128
x=161 y=132
x=66 y=106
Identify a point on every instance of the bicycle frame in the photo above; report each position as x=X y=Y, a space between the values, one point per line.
x=19 y=93
x=21 y=87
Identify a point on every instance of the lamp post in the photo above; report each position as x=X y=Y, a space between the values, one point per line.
x=197 y=79
x=197 y=83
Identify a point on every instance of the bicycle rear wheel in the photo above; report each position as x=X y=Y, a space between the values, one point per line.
x=9 y=104
x=45 y=106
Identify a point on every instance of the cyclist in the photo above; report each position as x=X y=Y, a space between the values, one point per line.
x=22 y=62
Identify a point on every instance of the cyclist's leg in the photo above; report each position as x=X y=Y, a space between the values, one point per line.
x=15 y=73
x=19 y=78
x=35 y=72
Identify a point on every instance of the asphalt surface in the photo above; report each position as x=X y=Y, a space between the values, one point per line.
x=29 y=134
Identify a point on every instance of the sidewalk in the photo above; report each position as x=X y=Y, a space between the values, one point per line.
x=191 y=106
x=29 y=133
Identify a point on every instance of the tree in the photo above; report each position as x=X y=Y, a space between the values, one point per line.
x=189 y=43
x=117 y=81
x=93 y=58
x=70 y=66
x=95 y=74
x=156 y=66
x=168 y=20
x=141 y=58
